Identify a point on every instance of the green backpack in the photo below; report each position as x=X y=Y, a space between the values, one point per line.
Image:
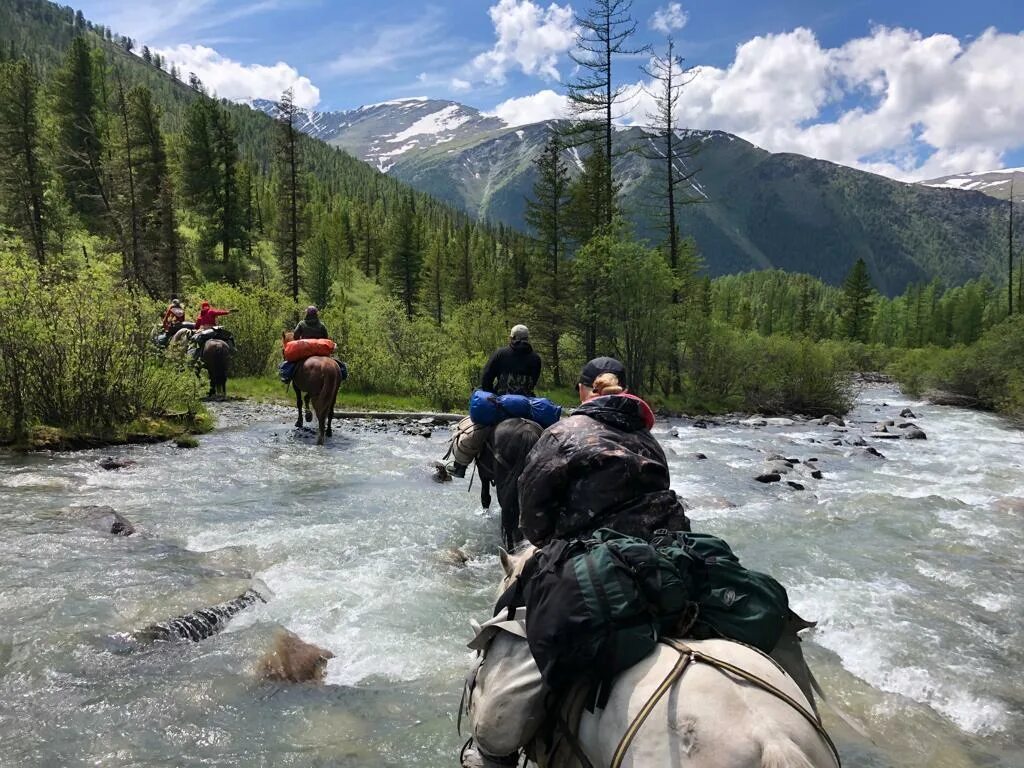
x=733 y=602
x=595 y=607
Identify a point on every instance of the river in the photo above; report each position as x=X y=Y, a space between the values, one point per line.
x=911 y=564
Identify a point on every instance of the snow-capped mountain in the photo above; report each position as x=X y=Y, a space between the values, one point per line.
x=382 y=133
x=993 y=183
x=754 y=209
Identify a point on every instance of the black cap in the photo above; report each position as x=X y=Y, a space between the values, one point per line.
x=600 y=365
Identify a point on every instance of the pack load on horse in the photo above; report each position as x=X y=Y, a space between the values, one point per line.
x=318 y=377
x=309 y=339
x=583 y=624
x=620 y=596
x=512 y=370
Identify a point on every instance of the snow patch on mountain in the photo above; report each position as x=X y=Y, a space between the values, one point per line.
x=995 y=183
x=447 y=119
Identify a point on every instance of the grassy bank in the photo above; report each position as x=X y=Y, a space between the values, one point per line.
x=145 y=429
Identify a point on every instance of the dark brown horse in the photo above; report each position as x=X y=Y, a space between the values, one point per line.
x=501 y=462
x=319 y=378
x=216 y=356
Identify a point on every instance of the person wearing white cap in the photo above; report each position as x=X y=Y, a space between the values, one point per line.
x=514 y=369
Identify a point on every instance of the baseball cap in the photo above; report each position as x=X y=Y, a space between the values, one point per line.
x=519 y=333
x=600 y=365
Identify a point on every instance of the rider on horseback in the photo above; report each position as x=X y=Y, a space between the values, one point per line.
x=173 y=317
x=600 y=468
x=311 y=327
x=206 y=326
x=512 y=370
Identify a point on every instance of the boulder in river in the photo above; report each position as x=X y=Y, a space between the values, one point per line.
x=795 y=486
x=831 y=421
x=107 y=519
x=111 y=464
x=293 y=660
x=914 y=433
x=907 y=413
x=698 y=456
x=941 y=397
x=441 y=473
x=769 y=477
x=871 y=451
x=816 y=474
x=200 y=624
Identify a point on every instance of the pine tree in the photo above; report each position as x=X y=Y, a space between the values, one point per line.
x=545 y=214
x=158 y=220
x=132 y=247
x=404 y=257
x=318 y=265
x=433 y=277
x=22 y=172
x=602 y=37
x=857 y=292
x=291 y=192
x=79 y=133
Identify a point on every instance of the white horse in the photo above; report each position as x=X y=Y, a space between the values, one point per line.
x=689 y=704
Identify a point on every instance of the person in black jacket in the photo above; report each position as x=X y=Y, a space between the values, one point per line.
x=311 y=327
x=515 y=369
x=599 y=468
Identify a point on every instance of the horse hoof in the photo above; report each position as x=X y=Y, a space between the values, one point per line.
x=298 y=423
x=309 y=416
x=328 y=432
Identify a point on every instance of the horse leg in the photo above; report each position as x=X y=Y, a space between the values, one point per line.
x=298 y=406
x=330 y=412
x=309 y=413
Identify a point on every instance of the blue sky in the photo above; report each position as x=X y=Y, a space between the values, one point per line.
x=905 y=87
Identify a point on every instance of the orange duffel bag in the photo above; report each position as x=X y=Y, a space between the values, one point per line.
x=303 y=348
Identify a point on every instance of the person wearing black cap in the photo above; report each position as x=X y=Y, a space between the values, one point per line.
x=514 y=369
x=599 y=468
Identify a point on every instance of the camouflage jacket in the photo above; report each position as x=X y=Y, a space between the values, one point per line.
x=600 y=468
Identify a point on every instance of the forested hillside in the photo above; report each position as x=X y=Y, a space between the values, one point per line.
x=124 y=182
x=753 y=209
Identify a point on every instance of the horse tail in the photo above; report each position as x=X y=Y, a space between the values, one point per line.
x=783 y=753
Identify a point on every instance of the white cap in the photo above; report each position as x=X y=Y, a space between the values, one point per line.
x=519 y=333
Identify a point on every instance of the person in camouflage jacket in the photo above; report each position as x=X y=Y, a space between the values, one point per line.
x=599 y=468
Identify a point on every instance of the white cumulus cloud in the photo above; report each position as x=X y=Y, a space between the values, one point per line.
x=895 y=101
x=524 y=110
x=669 y=18
x=233 y=80
x=530 y=39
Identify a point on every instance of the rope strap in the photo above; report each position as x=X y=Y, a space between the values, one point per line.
x=688 y=655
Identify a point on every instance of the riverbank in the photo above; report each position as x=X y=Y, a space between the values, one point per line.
x=145 y=430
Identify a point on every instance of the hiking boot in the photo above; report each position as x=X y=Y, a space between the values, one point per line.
x=455 y=469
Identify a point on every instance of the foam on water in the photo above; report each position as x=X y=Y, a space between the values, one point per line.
x=910 y=565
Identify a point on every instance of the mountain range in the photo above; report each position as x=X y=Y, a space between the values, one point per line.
x=752 y=209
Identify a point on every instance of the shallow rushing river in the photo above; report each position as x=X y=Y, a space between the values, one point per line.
x=911 y=565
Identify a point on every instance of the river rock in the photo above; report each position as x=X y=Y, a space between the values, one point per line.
x=754 y=422
x=871 y=451
x=1013 y=504
x=816 y=474
x=111 y=464
x=941 y=397
x=107 y=519
x=417 y=430
x=454 y=556
x=698 y=456
x=885 y=435
x=700 y=424
x=795 y=486
x=907 y=413
x=914 y=433
x=293 y=660
x=769 y=477
x=906 y=424
x=857 y=441
x=831 y=421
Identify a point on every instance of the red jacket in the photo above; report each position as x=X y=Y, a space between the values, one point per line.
x=208 y=317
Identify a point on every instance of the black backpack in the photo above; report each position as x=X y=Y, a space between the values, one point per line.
x=596 y=607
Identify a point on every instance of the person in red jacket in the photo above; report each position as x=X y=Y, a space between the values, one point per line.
x=208 y=316
x=174 y=316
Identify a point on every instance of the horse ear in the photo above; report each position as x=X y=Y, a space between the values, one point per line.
x=506 y=561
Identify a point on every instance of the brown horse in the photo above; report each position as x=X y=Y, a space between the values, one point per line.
x=319 y=378
x=216 y=356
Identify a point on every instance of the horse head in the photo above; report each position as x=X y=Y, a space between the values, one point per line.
x=513 y=563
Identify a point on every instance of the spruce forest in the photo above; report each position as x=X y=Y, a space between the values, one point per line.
x=126 y=182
